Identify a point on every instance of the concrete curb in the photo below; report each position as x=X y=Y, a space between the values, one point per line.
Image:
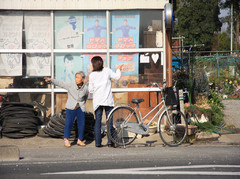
x=230 y=139
x=9 y=153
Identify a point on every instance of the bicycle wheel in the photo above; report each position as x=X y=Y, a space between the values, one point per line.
x=117 y=123
x=173 y=127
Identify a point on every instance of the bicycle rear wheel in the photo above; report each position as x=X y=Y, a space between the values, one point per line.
x=173 y=128
x=117 y=123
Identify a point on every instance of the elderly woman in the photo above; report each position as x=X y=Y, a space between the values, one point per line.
x=75 y=106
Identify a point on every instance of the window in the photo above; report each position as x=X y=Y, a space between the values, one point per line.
x=35 y=44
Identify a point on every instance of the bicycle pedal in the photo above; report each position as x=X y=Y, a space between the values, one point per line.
x=145 y=135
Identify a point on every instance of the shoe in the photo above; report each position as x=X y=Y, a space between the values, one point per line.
x=81 y=143
x=99 y=146
x=111 y=146
x=67 y=144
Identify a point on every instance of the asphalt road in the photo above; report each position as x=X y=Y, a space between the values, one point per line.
x=186 y=161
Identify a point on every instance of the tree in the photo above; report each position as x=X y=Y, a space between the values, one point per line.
x=236 y=18
x=224 y=41
x=197 y=21
x=221 y=42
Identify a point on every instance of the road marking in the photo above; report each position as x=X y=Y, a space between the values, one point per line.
x=157 y=171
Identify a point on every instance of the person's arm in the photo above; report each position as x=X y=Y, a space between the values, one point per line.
x=119 y=28
x=86 y=94
x=90 y=28
x=116 y=75
x=59 y=83
x=131 y=27
x=103 y=27
x=90 y=84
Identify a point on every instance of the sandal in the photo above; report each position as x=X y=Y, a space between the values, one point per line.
x=81 y=143
x=67 y=143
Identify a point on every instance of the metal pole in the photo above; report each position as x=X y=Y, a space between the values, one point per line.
x=52 y=67
x=164 y=50
x=108 y=38
x=231 y=45
x=182 y=51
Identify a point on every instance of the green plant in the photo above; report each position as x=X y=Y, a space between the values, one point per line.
x=228 y=87
x=215 y=99
x=214 y=113
x=206 y=127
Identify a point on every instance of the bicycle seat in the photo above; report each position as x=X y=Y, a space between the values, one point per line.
x=137 y=101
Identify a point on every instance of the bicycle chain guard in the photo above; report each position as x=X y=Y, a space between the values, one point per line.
x=142 y=129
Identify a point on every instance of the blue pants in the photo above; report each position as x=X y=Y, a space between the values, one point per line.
x=70 y=116
x=98 y=124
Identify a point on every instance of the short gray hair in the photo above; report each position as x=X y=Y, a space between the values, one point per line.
x=81 y=73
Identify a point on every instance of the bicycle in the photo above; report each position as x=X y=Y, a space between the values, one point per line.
x=124 y=123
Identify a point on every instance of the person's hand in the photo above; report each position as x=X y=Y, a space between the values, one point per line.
x=120 y=67
x=47 y=79
x=86 y=79
x=90 y=69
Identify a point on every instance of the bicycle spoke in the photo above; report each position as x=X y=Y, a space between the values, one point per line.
x=117 y=120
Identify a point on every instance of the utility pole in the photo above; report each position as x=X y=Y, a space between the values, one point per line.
x=231 y=45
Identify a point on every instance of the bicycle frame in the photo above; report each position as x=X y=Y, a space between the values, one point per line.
x=161 y=110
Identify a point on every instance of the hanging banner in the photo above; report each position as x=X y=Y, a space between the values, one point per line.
x=125 y=35
x=95 y=30
x=38 y=36
x=68 y=29
x=94 y=36
x=11 y=38
x=125 y=27
x=68 y=35
x=66 y=66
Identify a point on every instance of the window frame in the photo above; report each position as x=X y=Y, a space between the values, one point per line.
x=107 y=51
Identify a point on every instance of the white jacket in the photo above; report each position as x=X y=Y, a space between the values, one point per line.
x=100 y=86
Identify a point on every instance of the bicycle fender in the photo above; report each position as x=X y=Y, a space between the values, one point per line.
x=159 y=120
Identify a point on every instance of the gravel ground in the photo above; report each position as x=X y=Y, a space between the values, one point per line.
x=232 y=114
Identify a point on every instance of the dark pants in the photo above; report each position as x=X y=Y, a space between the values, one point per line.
x=98 y=124
x=70 y=116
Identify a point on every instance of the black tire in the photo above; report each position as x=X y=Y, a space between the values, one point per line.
x=115 y=129
x=173 y=129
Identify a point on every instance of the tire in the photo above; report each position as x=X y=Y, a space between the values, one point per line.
x=115 y=129
x=173 y=130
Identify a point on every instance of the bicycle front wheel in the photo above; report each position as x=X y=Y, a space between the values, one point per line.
x=117 y=123
x=173 y=127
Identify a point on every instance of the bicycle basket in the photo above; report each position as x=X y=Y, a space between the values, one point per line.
x=171 y=96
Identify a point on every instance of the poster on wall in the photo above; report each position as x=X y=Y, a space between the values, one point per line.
x=94 y=36
x=38 y=36
x=125 y=35
x=68 y=35
x=87 y=65
x=11 y=38
x=66 y=66
x=68 y=29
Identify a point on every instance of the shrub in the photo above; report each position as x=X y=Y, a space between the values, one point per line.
x=214 y=112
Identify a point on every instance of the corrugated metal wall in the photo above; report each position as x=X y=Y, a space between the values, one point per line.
x=81 y=4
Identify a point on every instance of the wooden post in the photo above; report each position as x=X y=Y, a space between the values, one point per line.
x=169 y=57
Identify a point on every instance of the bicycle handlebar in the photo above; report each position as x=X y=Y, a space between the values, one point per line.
x=156 y=84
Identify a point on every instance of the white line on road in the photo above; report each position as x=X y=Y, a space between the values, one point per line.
x=157 y=171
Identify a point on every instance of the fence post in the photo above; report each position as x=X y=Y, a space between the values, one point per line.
x=217 y=67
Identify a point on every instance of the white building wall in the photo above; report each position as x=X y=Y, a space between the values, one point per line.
x=81 y=4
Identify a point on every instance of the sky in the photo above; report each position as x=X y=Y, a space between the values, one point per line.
x=224 y=13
